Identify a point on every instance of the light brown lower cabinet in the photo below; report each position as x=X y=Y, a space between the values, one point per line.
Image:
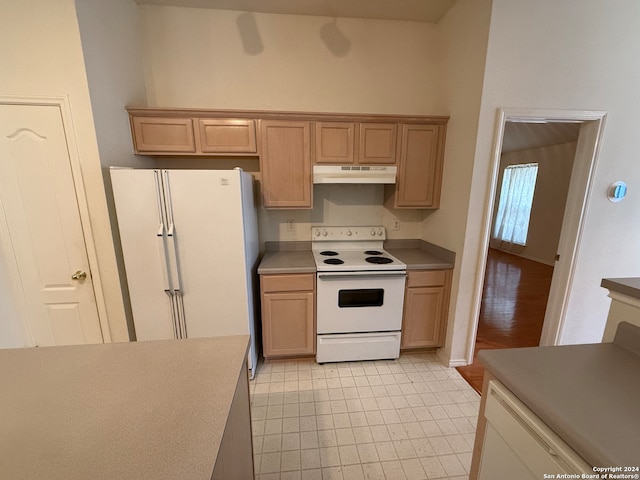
x=426 y=306
x=288 y=315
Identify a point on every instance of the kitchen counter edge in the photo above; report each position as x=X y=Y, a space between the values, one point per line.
x=625 y=286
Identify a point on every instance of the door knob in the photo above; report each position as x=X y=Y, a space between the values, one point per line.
x=79 y=275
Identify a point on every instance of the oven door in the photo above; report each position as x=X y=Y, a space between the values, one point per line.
x=350 y=302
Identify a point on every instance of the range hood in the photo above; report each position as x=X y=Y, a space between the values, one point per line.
x=354 y=173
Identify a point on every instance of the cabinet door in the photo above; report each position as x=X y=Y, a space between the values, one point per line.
x=227 y=135
x=422 y=320
x=285 y=164
x=334 y=142
x=287 y=324
x=163 y=135
x=420 y=166
x=377 y=143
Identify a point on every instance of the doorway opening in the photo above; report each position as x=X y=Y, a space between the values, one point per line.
x=522 y=289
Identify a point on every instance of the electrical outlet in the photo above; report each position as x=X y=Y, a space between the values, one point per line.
x=291 y=225
x=396 y=225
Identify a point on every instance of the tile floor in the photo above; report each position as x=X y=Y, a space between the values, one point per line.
x=407 y=419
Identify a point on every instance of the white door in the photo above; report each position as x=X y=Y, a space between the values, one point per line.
x=206 y=211
x=139 y=206
x=40 y=229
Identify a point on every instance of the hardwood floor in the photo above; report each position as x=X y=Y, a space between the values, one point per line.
x=514 y=301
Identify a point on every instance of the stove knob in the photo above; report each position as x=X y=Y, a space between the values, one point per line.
x=316 y=232
x=349 y=233
x=379 y=231
x=373 y=232
x=324 y=233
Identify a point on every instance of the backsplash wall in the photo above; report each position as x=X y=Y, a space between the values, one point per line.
x=336 y=205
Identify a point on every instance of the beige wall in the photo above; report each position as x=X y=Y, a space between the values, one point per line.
x=197 y=58
x=223 y=59
x=464 y=31
x=567 y=55
x=552 y=183
x=42 y=56
x=109 y=33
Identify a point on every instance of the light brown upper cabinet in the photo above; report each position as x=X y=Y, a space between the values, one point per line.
x=335 y=142
x=286 y=144
x=361 y=143
x=285 y=164
x=420 y=166
x=377 y=143
x=155 y=135
x=222 y=135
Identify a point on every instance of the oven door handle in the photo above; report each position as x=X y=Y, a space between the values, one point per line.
x=345 y=275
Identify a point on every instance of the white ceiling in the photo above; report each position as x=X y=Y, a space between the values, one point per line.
x=525 y=136
x=412 y=10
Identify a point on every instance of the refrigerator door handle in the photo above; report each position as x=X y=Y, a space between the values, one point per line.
x=163 y=257
x=173 y=258
x=182 y=324
x=172 y=306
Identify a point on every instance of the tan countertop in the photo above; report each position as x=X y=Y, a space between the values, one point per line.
x=297 y=257
x=140 y=410
x=287 y=262
x=587 y=394
x=418 y=259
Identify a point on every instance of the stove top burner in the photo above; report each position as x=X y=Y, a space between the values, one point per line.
x=333 y=261
x=329 y=253
x=378 y=260
x=372 y=252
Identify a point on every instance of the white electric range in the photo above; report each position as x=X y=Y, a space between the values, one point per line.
x=360 y=295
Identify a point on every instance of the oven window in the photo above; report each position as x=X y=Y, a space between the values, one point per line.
x=365 y=297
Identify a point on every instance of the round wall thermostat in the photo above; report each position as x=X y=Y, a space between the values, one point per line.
x=617 y=191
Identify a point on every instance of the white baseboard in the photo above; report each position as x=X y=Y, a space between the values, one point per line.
x=458 y=363
x=450 y=362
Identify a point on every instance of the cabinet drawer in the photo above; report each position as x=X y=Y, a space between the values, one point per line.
x=288 y=283
x=425 y=278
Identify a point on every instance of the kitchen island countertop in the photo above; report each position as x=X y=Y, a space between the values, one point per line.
x=625 y=286
x=587 y=394
x=139 y=410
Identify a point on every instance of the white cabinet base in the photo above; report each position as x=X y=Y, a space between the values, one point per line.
x=517 y=444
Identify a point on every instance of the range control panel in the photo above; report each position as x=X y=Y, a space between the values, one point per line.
x=348 y=233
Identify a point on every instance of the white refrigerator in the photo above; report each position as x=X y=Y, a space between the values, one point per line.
x=190 y=246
